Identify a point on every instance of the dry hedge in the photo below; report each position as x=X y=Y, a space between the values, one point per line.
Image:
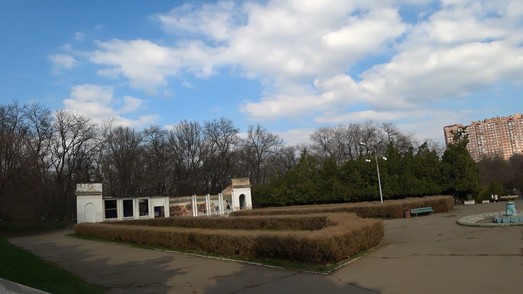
x=342 y=235
x=268 y=222
x=313 y=234
x=389 y=209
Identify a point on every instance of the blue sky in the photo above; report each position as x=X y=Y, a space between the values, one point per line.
x=292 y=66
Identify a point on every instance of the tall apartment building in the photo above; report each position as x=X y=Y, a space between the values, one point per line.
x=498 y=136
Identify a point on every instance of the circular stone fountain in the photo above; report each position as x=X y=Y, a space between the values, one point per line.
x=509 y=217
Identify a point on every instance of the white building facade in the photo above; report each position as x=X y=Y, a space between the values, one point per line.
x=92 y=207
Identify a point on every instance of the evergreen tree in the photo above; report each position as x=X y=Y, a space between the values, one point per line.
x=428 y=171
x=297 y=186
x=460 y=174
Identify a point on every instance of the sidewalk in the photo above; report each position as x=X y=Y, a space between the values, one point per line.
x=432 y=254
x=427 y=254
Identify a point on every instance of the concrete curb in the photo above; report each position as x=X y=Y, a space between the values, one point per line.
x=474 y=220
x=9 y=287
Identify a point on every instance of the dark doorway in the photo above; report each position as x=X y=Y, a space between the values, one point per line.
x=128 y=208
x=110 y=209
x=242 y=201
x=143 y=207
x=159 y=211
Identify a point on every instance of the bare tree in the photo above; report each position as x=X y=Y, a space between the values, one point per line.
x=15 y=162
x=343 y=143
x=371 y=136
x=72 y=147
x=123 y=160
x=188 y=150
x=223 y=140
x=322 y=142
x=287 y=158
x=157 y=162
x=260 y=149
x=39 y=120
x=354 y=138
x=332 y=142
x=403 y=142
x=40 y=123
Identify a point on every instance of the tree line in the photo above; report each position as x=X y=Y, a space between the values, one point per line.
x=406 y=170
x=403 y=173
x=44 y=154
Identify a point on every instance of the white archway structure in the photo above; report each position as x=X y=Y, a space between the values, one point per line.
x=89 y=203
x=90 y=213
x=241 y=194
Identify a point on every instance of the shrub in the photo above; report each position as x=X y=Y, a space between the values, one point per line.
x=340 y=236
x=313 y=234
x=389 y=209
x=278 y=222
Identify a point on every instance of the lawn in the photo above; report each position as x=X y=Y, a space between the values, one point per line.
x=25 y=268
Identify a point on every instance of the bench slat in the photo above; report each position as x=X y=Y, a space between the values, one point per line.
x=416 y=211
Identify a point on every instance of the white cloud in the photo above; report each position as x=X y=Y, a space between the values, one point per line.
x=331 y=60
x=98 y=103
x=456 y=52
x=187 y=84
x=296 y=136
x=293 y=41
x=91 y=100
x=78 y=36
x=62 y=62
x=359 y=116
x=334 y=91
x=130 y=104
x=66 y=47
x=215 y=20
x=514 y=10
x=365 y=34
x=459 y=50
x=277 y=41
x=281 y=106
x=145 y=64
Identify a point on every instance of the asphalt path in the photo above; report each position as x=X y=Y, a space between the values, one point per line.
x=426 y=254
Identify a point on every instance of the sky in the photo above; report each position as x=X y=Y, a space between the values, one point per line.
x=291 y=66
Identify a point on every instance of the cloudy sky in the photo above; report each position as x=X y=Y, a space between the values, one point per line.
x=290 y=65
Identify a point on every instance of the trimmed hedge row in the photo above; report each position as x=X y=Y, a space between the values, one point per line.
x=272 y=222
x=344 y=235
x=389 y=209
x=314 y=234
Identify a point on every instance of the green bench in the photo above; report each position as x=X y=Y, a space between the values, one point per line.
x=416 y=211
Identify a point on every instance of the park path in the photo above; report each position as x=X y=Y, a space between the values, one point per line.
x=433 y=254
x=428 y=254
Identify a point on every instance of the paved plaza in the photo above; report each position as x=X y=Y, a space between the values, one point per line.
x=426 y=254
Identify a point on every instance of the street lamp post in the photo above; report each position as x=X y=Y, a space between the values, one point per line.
x=377 y=167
